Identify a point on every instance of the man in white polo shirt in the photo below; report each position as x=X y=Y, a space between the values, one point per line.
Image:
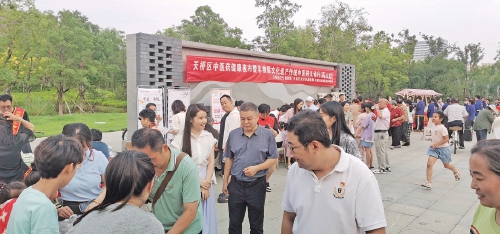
x=382 y=124
x=327 y=190
x=456 y=114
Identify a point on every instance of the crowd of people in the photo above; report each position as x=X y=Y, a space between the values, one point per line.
x=158 y=187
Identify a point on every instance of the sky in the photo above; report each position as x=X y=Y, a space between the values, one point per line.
x=458 y=21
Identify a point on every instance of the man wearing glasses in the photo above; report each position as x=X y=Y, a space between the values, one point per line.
x=327 y=180
x=250 y=152
x=14 y=135
x=18 y=116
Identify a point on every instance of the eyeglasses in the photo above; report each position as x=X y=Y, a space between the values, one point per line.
x=293 y=148
x=6 y=107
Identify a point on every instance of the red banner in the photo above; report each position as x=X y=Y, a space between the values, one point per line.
x=201 y=69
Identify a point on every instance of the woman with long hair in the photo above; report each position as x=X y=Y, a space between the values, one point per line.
x=358 y=127
x=297 y=106
x=88 y=181
x=333 y=115
x=200 y=144
x=129 y=181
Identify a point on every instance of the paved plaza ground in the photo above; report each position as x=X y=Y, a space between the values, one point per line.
x=409 y=208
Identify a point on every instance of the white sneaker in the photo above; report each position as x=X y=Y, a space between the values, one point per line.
x=427 y=185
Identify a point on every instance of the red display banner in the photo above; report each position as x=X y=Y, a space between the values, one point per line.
x=201 y=69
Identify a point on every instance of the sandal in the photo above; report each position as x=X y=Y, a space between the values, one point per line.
x=457 y=176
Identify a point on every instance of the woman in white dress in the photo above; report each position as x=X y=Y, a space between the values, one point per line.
x=179 y=117
x=199 y=144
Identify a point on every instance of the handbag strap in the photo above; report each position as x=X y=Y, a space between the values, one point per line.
x=167 y=178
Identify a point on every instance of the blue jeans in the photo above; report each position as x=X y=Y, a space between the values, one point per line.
x=481 y=134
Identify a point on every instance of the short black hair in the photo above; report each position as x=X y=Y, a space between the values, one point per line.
x=96 y=134
x=341 y=94
x=329 y=95
x=238 y=103
x=419 y=97
x=477 y=96
x=55 y=153
x=178 y=106
x=5 y=97
x=148 y=114
x=321 y=100
x=148 y=137
x=225 y=96
x=309 y=126
x=264 y=108
x=150 y=104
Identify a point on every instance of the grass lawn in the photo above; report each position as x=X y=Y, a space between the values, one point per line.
x=53 y=125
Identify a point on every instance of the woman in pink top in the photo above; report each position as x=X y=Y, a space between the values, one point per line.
x=297 y=106
x=358 y=128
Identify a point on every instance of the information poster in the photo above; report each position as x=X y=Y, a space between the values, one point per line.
x=183 y=95
x=148 y=95
x=217 y=112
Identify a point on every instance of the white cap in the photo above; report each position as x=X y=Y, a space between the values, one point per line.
x=309 y=99
x=494 y=108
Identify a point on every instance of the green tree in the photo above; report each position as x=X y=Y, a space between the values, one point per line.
x=382 y=68
x=339 y=30
x=276 y=20
x=471 y=55
x=208 y=27
x=70 y=53
x=301 y=42
x=440 y=74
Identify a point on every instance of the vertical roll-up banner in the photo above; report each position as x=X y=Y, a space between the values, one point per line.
x=150 y=95
x=216 y=111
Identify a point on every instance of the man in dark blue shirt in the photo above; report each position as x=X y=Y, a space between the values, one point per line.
x=471 y=109
x=250 y=151
x=431 y=108
x=419 y=113
x=478 y=104
x=448 y=102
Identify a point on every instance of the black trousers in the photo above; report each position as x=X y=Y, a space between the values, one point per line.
x=243 y=195
x=458 y=123
x=396 y=135
x=404 y=130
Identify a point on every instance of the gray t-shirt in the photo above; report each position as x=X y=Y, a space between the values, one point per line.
x=129 y=219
